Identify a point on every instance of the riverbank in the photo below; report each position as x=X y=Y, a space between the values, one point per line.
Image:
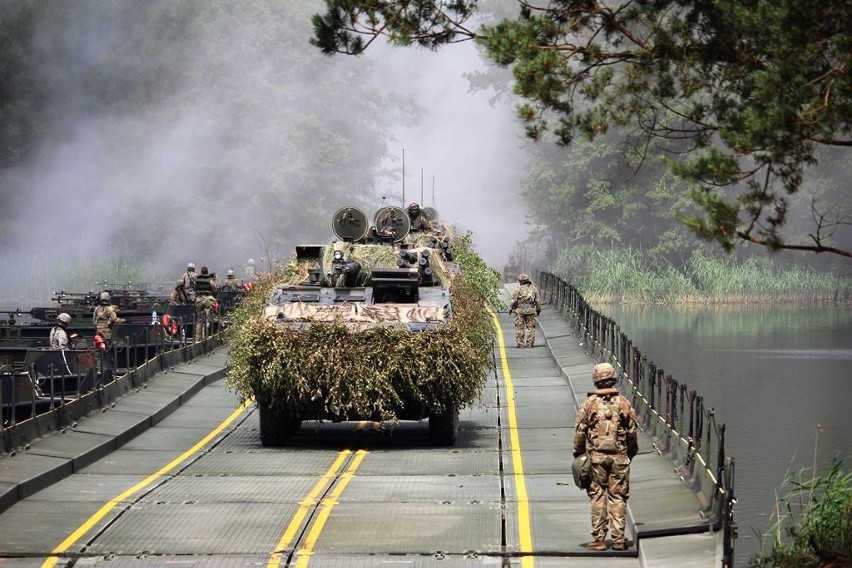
x=623 y=275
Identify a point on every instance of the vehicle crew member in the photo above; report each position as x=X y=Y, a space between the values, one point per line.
x=232 y=281
x=59 y=338
x=179 y=296
x=526 y=305
x=105 y=317
x=419 y=221
x=189 y=281
x=205 y=298
x=606 y=429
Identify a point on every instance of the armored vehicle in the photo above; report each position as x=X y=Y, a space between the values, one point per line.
x=364 y=329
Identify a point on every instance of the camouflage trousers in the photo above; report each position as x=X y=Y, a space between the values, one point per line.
x=204 y=316
x=525 y=329
x=609 y=491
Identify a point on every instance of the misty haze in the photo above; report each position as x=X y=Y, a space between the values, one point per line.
x=160 y=133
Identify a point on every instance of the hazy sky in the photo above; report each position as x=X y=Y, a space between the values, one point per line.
x=471 y=147
x=82 y=189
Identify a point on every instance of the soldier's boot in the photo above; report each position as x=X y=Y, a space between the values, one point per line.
x=596 y=545
x=619 y=545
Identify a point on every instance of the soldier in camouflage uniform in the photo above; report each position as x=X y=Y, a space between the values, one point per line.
x=231 y=281
x=205 y=298
x=419 y=221
x=105 y=317
x=526 y=305
x=59 y=338
x=606 y=428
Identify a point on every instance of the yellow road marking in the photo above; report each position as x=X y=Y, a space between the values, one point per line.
x=524 y=526
x=305 y=506
x=112 y=503
x=304 y=553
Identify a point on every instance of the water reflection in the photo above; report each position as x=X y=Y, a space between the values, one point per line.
x=773 y=373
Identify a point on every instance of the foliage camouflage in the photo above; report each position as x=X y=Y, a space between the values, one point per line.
x=330 y=370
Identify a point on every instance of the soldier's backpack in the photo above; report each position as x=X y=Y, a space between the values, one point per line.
x=604 y=425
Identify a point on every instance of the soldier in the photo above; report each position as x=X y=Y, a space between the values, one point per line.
x=510 y=271
x=205 y=298
x=104 y=318
x=419 y=222
x=179 y=296
x=251 y=273
x=526 y=305
x=189 y=281
x=232 y=281
x=59 y=338
x=606 y=428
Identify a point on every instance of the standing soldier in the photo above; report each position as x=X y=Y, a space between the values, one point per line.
x=232 y=281
x=526 y=305
x=189 y=281
x=205 y=297
x=179 y=297
x=59 y=338
x=251 y=273
x=104 y=318
x=606 y=429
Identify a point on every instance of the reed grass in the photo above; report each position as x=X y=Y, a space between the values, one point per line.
x=625 y=275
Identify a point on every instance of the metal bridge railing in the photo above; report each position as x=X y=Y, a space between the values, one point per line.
x=683 y=428
x=51 y=390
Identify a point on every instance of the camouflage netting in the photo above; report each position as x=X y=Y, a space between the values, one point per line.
x=331 y=371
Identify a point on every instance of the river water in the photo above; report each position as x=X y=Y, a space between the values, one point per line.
x=777 y=375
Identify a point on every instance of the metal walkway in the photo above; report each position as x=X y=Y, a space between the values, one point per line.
x=163 y=478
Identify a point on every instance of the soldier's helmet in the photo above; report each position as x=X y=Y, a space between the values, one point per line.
x=603 y=373
x=230 y=272
x=414 y=208
x=190 y=267
x=63 y=318
x=103 y=298
x=523 y=277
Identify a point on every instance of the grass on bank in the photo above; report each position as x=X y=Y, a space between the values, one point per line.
x=813 y=526
x=624 y=275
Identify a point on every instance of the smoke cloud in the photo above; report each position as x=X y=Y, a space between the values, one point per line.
x=226 y=147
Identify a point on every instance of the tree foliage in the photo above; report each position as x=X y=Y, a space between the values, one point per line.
x=741 y=96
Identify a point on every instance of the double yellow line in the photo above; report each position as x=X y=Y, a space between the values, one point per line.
x=331 y=475
x=309 y=504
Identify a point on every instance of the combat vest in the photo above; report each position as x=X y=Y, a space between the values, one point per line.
x=56 y=337
x=603 y=424
x=203 y=286
x=103 y=319
x=526 y=297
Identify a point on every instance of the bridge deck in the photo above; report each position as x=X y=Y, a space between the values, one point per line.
x=352 y=494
